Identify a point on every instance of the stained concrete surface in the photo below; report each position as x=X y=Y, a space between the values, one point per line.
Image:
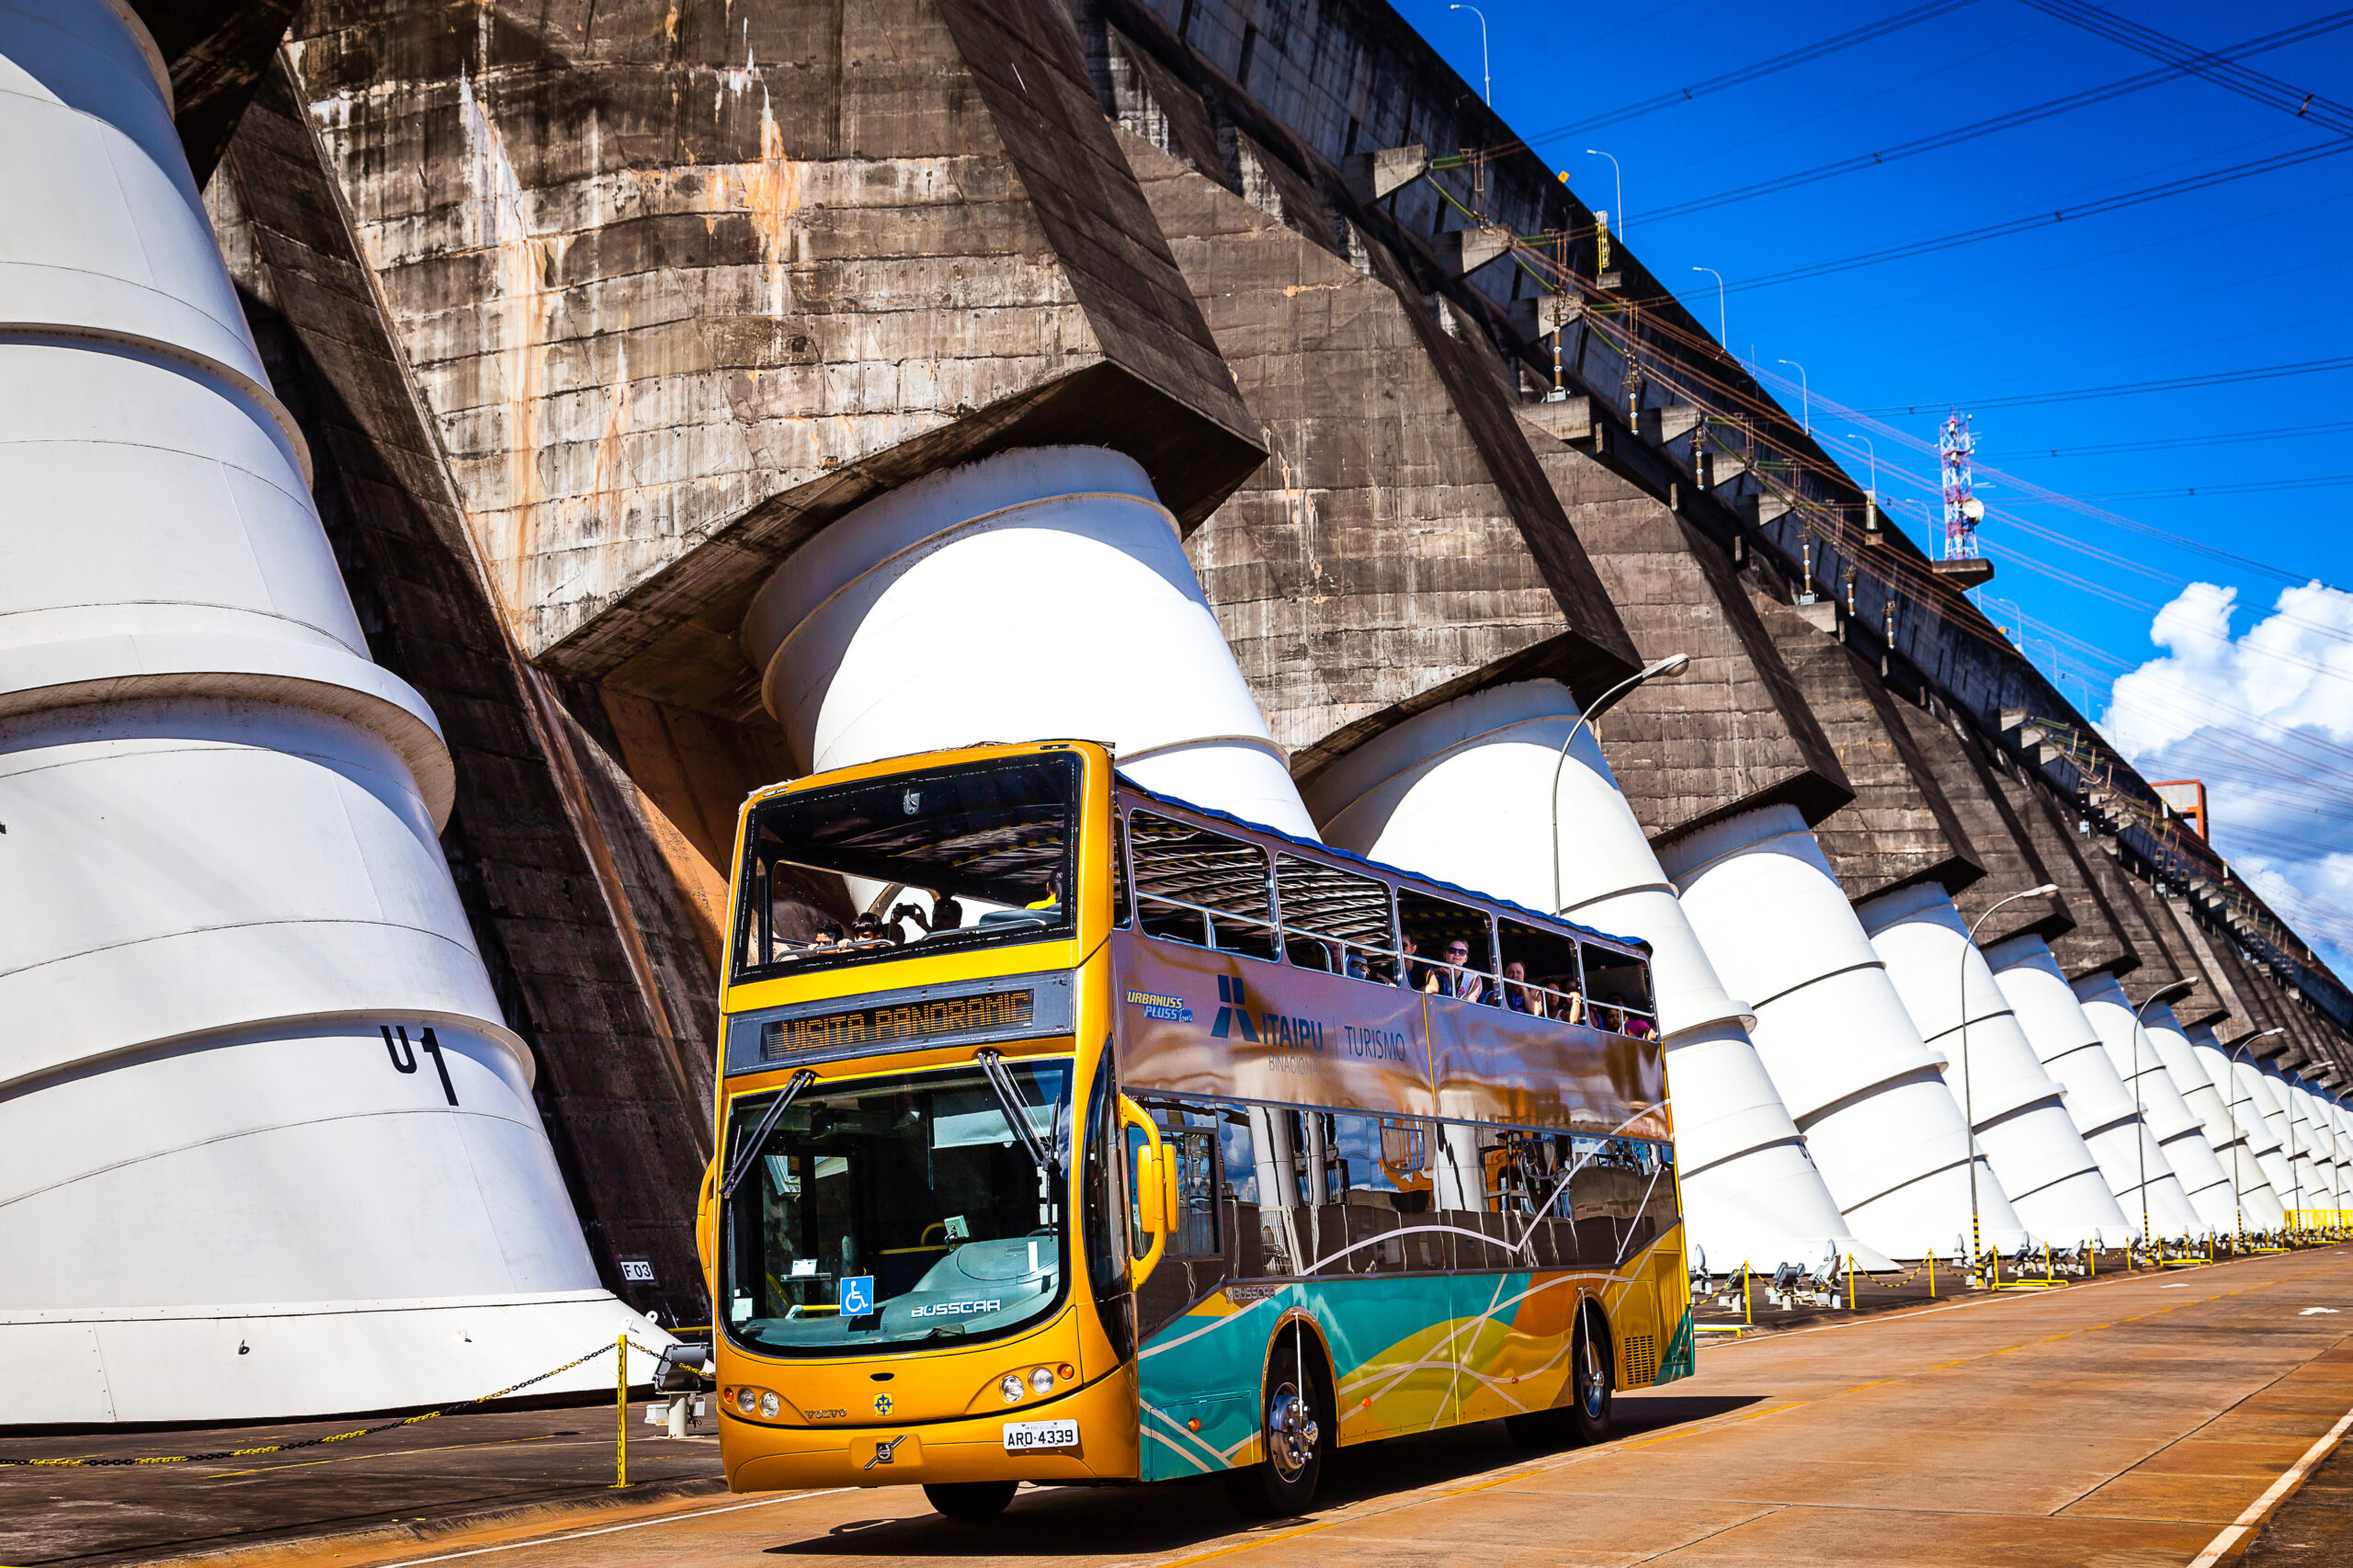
x=2121 y=1422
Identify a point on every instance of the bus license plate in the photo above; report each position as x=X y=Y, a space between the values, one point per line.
x=1024 y=1436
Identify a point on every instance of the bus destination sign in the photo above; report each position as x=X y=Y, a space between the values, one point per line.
x=900 y=1025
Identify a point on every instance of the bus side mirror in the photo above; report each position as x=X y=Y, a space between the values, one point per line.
x=1154 y=1191
x=1151 y=1190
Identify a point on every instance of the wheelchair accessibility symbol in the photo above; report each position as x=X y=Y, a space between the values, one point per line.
x=858 y=1295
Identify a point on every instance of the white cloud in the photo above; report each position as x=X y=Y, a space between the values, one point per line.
x=2266 y=720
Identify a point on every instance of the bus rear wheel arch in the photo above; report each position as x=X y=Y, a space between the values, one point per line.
x=1297 y=1428
x=1584 y=1417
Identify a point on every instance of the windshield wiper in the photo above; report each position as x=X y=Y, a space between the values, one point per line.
x=751 y=1145
x=1016 y=1113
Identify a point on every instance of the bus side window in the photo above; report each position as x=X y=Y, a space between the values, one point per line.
x=1548 y=984
x=1121 y=910
x=1386 y=1205
x=1334 y=920
x=1191 y=1135
x=1238 y=1173
x=1470 y=1187
x=1618 y=991
x=1205 y=889
x=1624 y=1195
x=1433 y=926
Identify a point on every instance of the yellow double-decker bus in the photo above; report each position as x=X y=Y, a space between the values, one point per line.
x=1069 y=1132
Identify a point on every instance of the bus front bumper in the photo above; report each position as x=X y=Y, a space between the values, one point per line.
x=765 y=1459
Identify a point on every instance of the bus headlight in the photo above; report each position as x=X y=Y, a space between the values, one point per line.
x=768 y=1405
x=1011 y=1386
x=1042 y=1380
x=753 y=1402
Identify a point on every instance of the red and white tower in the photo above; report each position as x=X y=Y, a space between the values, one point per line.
x=1964 y=510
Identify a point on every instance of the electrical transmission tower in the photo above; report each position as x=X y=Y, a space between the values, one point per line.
x=1964 y=510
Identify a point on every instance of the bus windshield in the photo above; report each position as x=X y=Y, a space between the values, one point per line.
x=950 y=859
x=894 y=1211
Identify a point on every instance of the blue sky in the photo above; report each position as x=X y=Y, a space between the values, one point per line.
x=2252 y=693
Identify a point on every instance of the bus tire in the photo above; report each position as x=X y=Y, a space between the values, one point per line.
x=970 y=1502
x=1591 y=1385
x=1298 y=1429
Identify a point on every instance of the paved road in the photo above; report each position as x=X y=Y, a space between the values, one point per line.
x=2123 y=1422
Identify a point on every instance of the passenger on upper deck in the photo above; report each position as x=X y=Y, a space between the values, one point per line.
x=1519 y=996
x=1457 y=979
x=1632 y=1024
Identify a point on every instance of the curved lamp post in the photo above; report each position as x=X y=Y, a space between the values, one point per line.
x=2171 y=991
x=1672 y=664
x=1968 y=1095
x=1486 y=76
x=1598 y=153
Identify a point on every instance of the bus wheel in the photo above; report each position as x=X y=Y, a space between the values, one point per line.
x=1298 y=1428
x=971 y=1502
x=1589 y=1380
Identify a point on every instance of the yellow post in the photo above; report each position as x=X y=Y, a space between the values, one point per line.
x=1748 y=1308
x=2092 y=1252
x=2048 y=1276
x=1932 y=1274
x=621 y=1412
x=1850 y=1281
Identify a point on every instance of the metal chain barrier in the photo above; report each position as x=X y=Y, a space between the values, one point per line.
x=335 y=1437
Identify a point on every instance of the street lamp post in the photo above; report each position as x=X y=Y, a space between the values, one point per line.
x=1806 y=398
x=1968 y=1094
x=1721 y=333
x=1598 y=153
x=1672 y=664
x=2239 y=1144
x=2169 y=992
x=1486 y=76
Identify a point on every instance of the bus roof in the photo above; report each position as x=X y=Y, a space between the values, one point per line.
x=1349 y=854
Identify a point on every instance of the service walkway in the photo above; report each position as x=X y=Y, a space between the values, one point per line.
x=2126 y=1421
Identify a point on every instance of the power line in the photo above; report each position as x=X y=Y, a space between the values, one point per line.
x=1999 y=122
x=2181 y=187
x=1748 y=74
x=2246 y=81
x=2176 y=443
x=2175 y=383
x=2250 y=488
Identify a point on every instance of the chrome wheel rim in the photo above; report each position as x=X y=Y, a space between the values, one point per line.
x=1292 y=1432
x=1592 y=1386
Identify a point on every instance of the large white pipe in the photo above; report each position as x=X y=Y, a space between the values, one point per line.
x=2320 y=1134
x=2271 y=1146
x=2095 y=1092
x=2341 y=1141
x=1040 y=593
x=1465 y=791
x=2260 y=1207
x=1879 y=1118
x=2021 y=1115
x=2102 y=1108
x=2260 y=1141
x=2296 y=1140
x=2217 y=1205
x=2178 y=1131
x=223 y=1195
